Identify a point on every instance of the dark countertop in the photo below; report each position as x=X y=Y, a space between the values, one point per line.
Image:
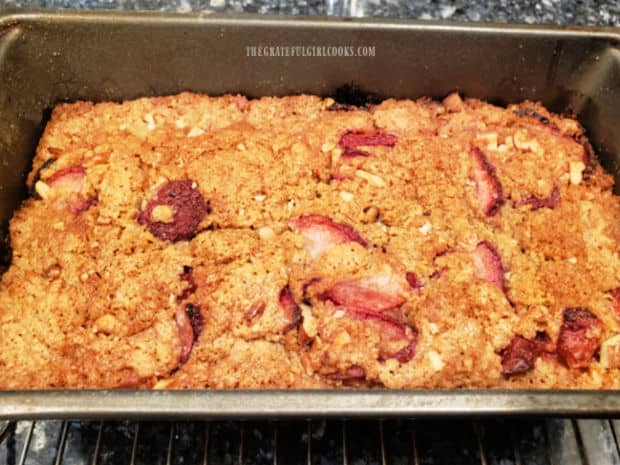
x=564 y=12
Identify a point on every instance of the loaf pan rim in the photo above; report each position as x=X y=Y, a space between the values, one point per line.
x=13 y=17
x=206 y=404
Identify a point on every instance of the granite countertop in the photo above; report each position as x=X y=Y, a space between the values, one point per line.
x=563 y=12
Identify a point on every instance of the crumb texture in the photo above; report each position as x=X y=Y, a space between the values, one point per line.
x=191 y=242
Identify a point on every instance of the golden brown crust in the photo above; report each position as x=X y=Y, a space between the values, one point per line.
x=405 y=245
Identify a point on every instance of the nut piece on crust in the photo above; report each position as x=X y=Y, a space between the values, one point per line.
x=610 y=352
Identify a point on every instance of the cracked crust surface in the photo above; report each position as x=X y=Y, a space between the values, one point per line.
x=309 y=248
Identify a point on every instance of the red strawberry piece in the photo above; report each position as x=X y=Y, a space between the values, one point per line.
x=129 y=379
x=579 y=338
x=70 y=179
x=488 y=188
x=292 y=312
x=413 y=281
x=442 y=253
x=370 y=299
x=615 y=294
x=338 y=176
x=352 y=139
x=321 y=232
x=377 y=293
x=536 y=202
x=307 y=284
x=189 y=209
x=395 y=330
x=186 y=334
x=488 y=265
x=195 y=319
x=80 y=205
x=256 y=309
x=351 y=373
x=351 y=153
x=241 y=102
x=438 y=273
x=405 y=354
x=392 y=329
x=71 y=183
x=521 y=354
x=189 y=324
x=188 y=277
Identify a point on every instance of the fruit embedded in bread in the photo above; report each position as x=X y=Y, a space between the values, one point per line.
x=196 y=242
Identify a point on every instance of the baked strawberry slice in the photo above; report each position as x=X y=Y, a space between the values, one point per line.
x=615 y=294
x=69 y=184
x=488 y=265
x=413 y=280
x=175 y=211
x=352 y=139
x=338 y=176
x=579 y=338
x=69 y=179
x=392 y=331
x=81 y=205
x=195 y=319
x=354 y=372
x=537 y=202
x=521 y=354
x=291 y=311
x=376 y=293
x=407 y=353
x=241 y=102
x=189 y=325
x=488 y=188
x=321 y=232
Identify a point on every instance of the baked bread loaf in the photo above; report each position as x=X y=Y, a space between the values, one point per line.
x=219 y=242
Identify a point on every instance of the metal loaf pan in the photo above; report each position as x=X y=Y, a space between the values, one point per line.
x=46 y=58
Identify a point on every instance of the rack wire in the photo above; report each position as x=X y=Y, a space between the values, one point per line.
x=506 y=441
